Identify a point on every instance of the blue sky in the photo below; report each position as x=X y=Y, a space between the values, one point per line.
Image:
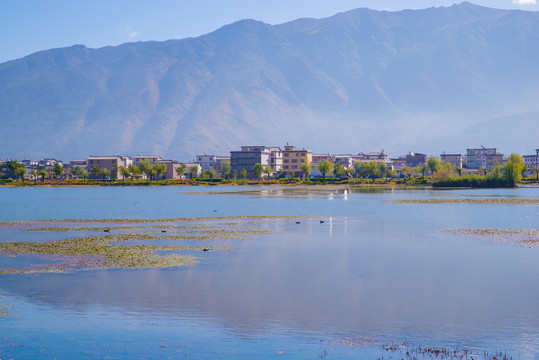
x=27 y=26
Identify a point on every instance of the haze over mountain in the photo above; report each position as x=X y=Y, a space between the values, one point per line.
x=422 y=80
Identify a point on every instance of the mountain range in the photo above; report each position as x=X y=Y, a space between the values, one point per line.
x=432 y=80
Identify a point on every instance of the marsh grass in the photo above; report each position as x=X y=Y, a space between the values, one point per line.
x=471 y=201
x=521 y=237
x=158 y=222
x=7 y=304
x=120 y=247
x=409 y=351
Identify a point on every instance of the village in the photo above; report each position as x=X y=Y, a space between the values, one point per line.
x=254 y=162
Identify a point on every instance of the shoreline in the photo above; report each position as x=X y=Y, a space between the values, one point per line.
x=421 y=182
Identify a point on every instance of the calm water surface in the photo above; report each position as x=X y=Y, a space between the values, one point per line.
x=374 y=273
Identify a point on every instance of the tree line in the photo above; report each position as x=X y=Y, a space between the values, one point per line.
x=441 y=173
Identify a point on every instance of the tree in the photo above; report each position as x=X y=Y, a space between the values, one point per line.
x=34 y=174
x=243 y=173
x=432 y=164
x=124 y=172
x=535 y=170
x=20 y=172
x=512 y=170
x=268 y=170
x=84 y=174
x=180 y=170
x=58 y=169
x=496 y=172
x=257 y=170
x=372 y=169
x=145 y=168
x=105 y=173
x=325 y=168
x=74 y=172
x=407 y=171
x=338 y=170
x=41 y=172
x=421 y=169
x=193 y=171
x=306 y=170
x=225 y=169
x=212 y=173
x=382 y=169
x=96 y=170
x=159 y=169
x=483 y=170
x=134 y=170
x=360 y=170
x=391 y=173
x=17 y=169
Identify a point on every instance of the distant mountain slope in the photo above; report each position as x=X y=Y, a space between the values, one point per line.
x=357 y=81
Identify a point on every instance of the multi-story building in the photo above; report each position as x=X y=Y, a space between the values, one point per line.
x=152 y=159
x=249 y=156
x=219 y=160
x=171 y=173
x=378 y=156
x=208 y=162
x=398 y=164
x=454 y=159
x=48 y=163
x=531 y=161
x=345 y=161
x=318 y=158
x=70 y=169
x=293 y=159
x=30 y=164
x=110 y=163
x=415 y=159
x=192 y=170
x=487 y=158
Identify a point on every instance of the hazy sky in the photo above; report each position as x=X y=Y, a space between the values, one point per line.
x=27 y=26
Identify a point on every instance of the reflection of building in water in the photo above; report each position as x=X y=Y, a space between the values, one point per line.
x=271 y=192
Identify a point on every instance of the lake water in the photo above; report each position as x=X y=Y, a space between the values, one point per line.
x=373 y=276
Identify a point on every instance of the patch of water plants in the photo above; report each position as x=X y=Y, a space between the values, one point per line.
x=115 y=246
x=522 y=237
x=411 y=351
x=470 y=201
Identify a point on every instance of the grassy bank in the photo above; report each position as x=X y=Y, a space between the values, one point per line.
x=218 y=181
x=467 y=181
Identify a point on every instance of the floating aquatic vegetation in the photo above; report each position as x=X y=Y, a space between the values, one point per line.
x=160 y=222
x=410 y=351
x=471 y=201
x=521 y=237
x=123 y=247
